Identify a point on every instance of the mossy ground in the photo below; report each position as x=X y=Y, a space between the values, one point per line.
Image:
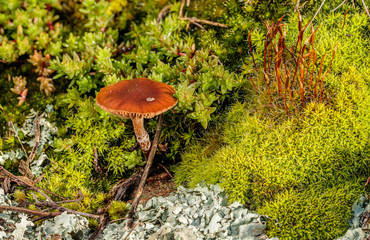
x=303 y=170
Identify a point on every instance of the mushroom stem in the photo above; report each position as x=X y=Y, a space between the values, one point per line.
x=141 y=135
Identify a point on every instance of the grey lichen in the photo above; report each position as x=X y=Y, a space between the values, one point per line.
x=47 y=132
x=199 y=213
x=189 y=214
x=67 y=226
x=12 y=225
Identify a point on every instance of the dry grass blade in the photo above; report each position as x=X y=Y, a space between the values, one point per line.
x=254 y=85
x=366 y=8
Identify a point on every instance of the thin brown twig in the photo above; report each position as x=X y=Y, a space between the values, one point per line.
x=205 y=22
x=168 y=172
x=144 y=177
x=162 y=13
x=96 y=163
x=55 y=206
x=102 y=222
x=29 y=211
x=197 y=21
x=182 y=8
x=79 y=198
x=25 y=183
x=116 y=220
x=366 y=9
x=322 y=4
x=132 y=229
x=339 y=6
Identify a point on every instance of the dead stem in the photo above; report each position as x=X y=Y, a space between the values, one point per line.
x=339 y=6
x=318 y=10
x=197 y=21
x=164 y=168
x=96 y=163
x=149 y=162
x=162 y=13
x=29 y=211
x=366 y=9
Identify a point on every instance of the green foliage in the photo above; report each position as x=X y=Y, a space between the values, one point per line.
x=117 y=210
x=301 y=171
x=85 y=45
x=27 y=25
x=327 y=209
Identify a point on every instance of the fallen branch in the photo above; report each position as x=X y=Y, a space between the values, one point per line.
x=49 y=202
x=29 y=211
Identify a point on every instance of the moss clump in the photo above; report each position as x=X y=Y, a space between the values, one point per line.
x=325 y=206
x=304 y=171
x=117 y=210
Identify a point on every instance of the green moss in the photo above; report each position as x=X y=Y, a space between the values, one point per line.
x=117 y=210
x=328 y=210
x=304 y=171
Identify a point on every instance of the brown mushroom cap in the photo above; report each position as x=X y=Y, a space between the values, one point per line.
x=139 y=97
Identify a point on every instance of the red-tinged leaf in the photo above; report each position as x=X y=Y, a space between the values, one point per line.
x=295 y=70
x=345 y=16
x=278 y=77
x=299 y=21
x=320 y=71
x=254 y=85
x=313 y=65
x=334 y=51
x=312 y=38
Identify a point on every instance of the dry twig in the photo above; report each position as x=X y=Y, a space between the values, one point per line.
x=162 y=13
x=366 y=9
x=197 y=21
x=149 y=162
x=164 y=168
x=96 y=163
x=29 y=211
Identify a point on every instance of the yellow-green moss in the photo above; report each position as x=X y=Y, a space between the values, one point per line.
x=305 y=171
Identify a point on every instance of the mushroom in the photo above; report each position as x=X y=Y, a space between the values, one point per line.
x=137 y=99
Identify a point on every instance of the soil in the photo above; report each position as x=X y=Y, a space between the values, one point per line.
x=159 y=183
